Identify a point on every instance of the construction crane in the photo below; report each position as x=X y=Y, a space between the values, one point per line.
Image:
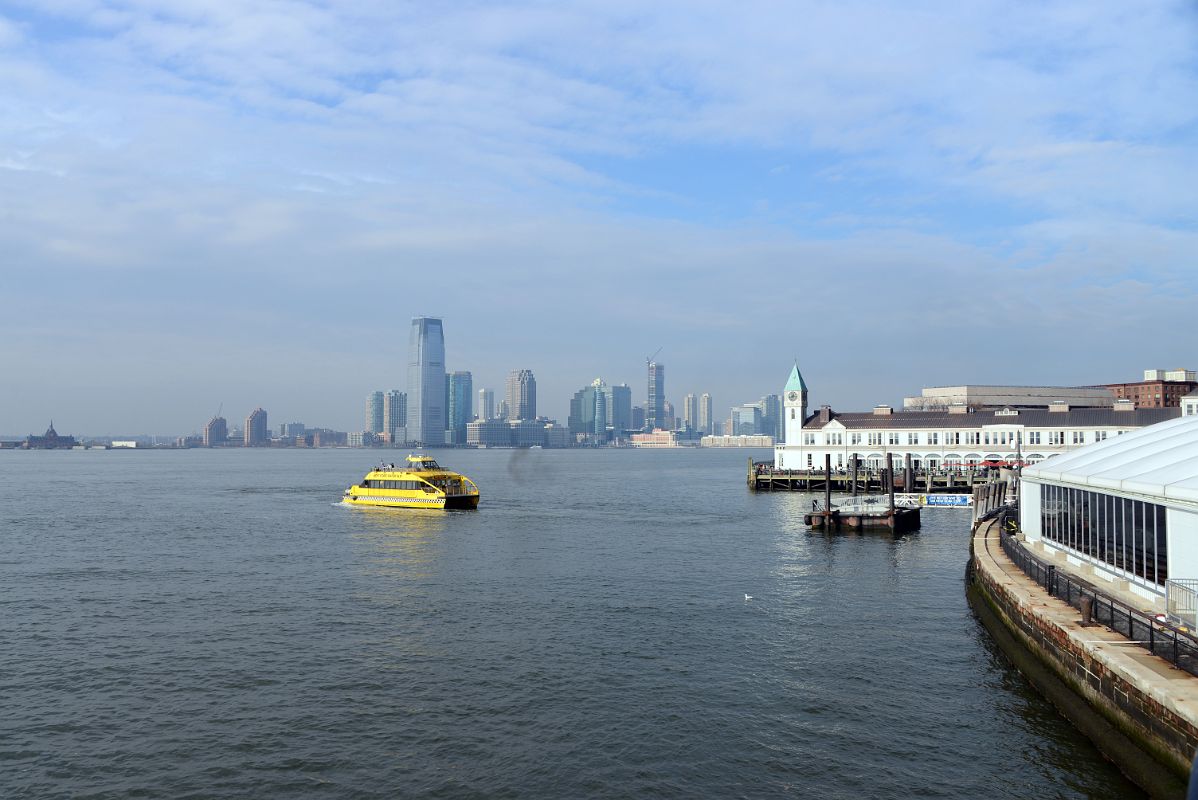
x=649 y=359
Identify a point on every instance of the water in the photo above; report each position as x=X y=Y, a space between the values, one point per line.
x=211 y=623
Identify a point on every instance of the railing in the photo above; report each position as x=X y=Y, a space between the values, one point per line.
x=1181 y=601
x=1159 y=638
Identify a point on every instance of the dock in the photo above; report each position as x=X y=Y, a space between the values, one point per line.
x=763 y=477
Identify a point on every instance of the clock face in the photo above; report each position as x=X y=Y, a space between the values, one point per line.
x=793 y=396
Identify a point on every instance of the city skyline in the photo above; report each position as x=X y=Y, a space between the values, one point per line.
x=180 y=233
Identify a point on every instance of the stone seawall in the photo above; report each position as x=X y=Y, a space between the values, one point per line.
x=1140 y=711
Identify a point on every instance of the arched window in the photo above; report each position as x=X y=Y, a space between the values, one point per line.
x=792 y=413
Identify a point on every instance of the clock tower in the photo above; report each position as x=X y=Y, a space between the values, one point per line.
x=794 y=406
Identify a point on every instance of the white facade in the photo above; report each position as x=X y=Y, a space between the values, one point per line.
x=1189 y=405
x=1127 y=508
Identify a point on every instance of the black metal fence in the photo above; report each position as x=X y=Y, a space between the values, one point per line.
x=1158 y=637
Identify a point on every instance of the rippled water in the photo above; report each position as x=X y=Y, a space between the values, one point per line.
x=202 y=623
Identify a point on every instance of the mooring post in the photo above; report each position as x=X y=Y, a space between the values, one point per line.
x=828 y=485
x=890 y=481
x=908 y=477
x=854 y=469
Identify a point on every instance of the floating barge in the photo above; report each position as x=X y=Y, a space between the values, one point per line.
x=864 y=516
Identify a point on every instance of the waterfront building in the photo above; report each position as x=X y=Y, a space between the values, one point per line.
x=941 y=398
x=486 y=404
x=655 y=405
x=50 y=440
x=557 y=435
x=521 y=395
x=527 y=432
x=656 y=439
x=752 y=440
x=461 y=401
x=489 y=433
x=1126 y=508
x=359 y=438
x=426 y=381
x=1159 y=389
x=216 y=432
x=669 y=420
x=619 y=410
x=395 y=416
x=374 y=412
x=257 y=433
x=637 y=419
x=690 y=412
x=958 y=438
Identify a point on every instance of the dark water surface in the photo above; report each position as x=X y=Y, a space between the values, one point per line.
x=210 y=623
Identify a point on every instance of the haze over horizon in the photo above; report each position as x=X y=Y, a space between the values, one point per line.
x=246 y=203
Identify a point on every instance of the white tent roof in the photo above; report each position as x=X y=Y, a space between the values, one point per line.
x=1159 y=460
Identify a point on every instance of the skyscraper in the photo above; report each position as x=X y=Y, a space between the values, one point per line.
x=426 y=381
x=395 y=415
x=374 y=412
x=655 y=407
x=256 y=433
x=690 y=412
x=671 y=419
x=619 y=410
x=486 y=405
x=461 y=402
x=588 y=412
x=705 y=420
x=771 y=416
x=521 y=395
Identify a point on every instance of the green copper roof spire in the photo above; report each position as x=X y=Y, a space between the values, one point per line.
x=795 y=382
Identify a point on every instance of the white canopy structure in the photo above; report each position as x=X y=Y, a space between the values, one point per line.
x=1127 y=506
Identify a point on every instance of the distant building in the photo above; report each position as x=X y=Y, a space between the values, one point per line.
x=374 y=412
x=771 y=416
x=557 y=435
x=527 y=432
x=359 y=438
x=486 y=404
x=705 y=424
x=426 y=381
x=690 y=412
x=636 y=420
x=216 y=432
x=660 y=438
x=461 y=405
x=757 y=440
x=669 y=419
x=588 y=413
x=940 y=398
x=1159 y=389
x=619 y=410
x=521 y=395
x=50 y=440
x=746 y=420
x=395 y=416
x=489 y=433
x=501 y=412
x=257 y=433
x=1189 y=404
x=655 y=404
x=292 y=429
x=323 y=437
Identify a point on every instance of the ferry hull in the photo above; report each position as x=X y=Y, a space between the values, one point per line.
x=456 y=503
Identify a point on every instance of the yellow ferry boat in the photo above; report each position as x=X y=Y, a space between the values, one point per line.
x=419 y=483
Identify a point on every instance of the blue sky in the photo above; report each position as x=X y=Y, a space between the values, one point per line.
x=246 y=202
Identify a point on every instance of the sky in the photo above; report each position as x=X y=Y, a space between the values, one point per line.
x=245 y=203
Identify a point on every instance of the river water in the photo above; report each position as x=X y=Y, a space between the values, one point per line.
x=213 y=623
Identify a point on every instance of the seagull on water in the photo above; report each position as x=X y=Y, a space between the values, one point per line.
x=748 y=597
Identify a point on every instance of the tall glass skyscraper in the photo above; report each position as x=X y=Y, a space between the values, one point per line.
x=374 y=412
x=655 y=408
x=705 y=420
x=461 y=401
x=486 y=405
x=426 y=381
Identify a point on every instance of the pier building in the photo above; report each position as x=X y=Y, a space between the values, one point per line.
x=1124 y=510
x=960 y=437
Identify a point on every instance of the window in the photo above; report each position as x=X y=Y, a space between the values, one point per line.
x=808 y=438
x=1128 y=535
x=973 y=437
x=875 y=440
x=1033 y=437
x=835 y=438
x=934 y=438
x=912 y=438
x=792 y=413
x=892 y=438
x=854 y=438
x=952 y=438
x=1056 y=438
